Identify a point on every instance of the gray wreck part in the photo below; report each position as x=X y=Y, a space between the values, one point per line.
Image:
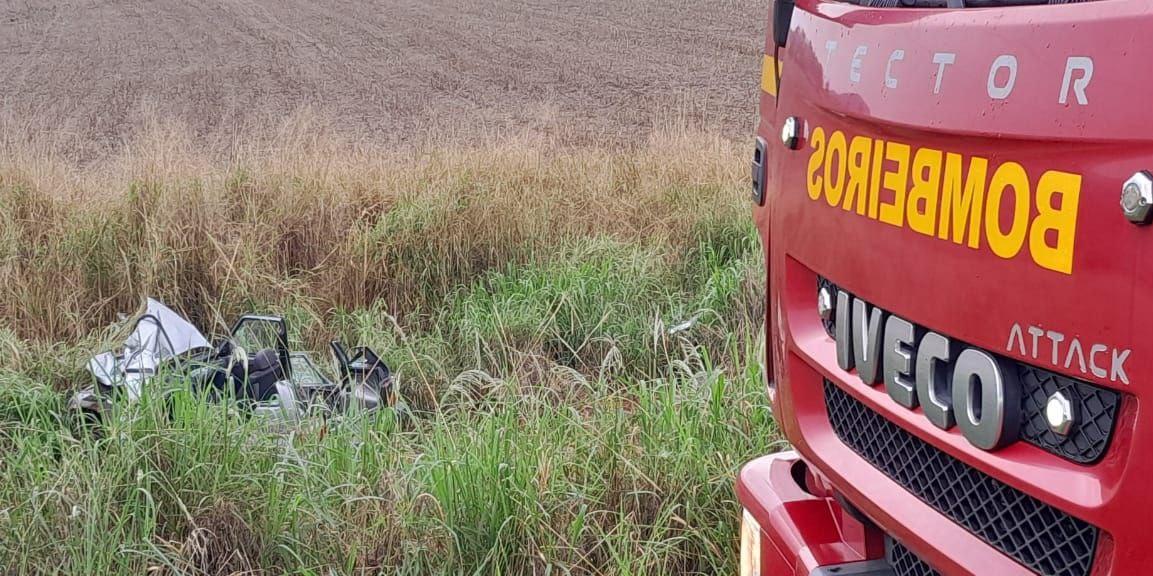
x=159 y=334
x=285 y=409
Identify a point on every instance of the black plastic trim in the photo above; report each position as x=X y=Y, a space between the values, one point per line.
x=758 y=171
x=865 y=568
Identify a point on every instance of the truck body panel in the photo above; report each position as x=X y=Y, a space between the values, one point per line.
x=960 y=169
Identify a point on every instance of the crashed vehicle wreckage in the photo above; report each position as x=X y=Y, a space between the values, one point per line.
x=253 y=367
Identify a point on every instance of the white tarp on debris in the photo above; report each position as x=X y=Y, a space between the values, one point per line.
x=159 y=334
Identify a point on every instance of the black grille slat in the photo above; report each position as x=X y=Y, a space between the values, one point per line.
x=1097 y=409
x=1040 y=537
x=904 y=562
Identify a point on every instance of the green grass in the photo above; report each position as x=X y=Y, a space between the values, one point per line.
x=559 y=428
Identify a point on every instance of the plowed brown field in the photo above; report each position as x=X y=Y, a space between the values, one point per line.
x=580 y=71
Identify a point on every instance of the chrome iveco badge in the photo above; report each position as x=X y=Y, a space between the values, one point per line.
x=956 y=385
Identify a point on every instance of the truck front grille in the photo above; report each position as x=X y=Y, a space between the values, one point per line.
x=1040 y=537
x=904 y=562
x=1096 y=407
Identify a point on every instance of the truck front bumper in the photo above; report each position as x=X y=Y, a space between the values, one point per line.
x=793 y=525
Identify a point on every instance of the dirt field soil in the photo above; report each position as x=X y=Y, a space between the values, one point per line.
x=403 y=70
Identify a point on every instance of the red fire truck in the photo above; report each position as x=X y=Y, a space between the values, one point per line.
x=952 y=196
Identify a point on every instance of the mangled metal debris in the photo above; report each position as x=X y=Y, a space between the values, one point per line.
x=252 y=368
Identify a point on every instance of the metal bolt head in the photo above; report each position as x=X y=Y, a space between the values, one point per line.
x=790 y=133
x=1060 y=413
x=825 y=303
x=1137 y=198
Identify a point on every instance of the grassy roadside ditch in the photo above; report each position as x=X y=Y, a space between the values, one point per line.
x=576 y=333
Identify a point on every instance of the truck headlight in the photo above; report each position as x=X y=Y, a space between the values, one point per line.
x=750 y=545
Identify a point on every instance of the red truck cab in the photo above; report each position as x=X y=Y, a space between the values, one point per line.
x=953 y=199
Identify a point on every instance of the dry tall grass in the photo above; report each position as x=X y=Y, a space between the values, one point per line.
x=523 y=293
x=308 y=217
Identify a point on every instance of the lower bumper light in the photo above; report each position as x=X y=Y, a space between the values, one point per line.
x=750 y=545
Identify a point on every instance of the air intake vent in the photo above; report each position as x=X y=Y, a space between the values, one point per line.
x=905 y=562
x=1040 y=537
